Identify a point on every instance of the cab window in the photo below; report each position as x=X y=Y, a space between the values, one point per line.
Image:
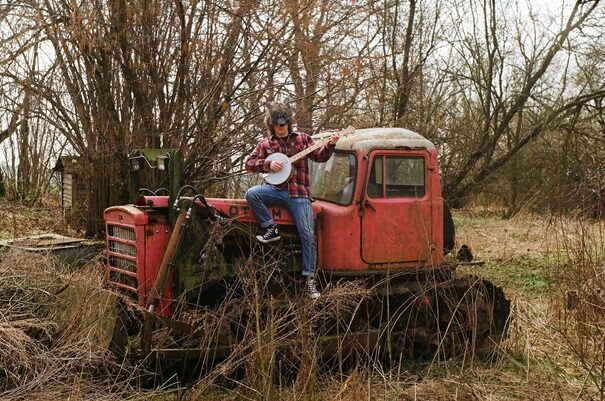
x=397 y=177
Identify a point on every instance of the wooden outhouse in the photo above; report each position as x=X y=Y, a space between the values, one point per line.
x=73 y=189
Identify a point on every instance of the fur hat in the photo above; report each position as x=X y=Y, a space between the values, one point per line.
x=278 y=113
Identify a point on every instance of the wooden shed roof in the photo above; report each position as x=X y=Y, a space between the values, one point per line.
x=69 y=164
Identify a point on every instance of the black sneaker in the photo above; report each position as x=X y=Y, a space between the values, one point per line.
x=272 y=234
x=311 y=286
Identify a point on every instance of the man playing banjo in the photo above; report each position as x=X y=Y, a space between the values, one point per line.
x=295 y=192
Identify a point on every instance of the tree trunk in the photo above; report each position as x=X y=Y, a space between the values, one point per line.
x=107 y=184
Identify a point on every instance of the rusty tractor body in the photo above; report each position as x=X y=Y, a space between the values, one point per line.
x=381 y=222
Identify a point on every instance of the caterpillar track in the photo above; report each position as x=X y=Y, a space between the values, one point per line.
x=401 y=318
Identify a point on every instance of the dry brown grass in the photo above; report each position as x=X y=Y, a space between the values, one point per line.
x=19 y=219
x=551 y=353
x=49 y=359
x=495 y=238
x=278 y=353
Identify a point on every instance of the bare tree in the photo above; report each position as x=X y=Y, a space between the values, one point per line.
x=321 y=50
x=483 y=83
x=147 y=75
x=29 y=142
x=501 y=93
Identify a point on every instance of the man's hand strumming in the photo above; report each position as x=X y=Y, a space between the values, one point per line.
x=275 y=166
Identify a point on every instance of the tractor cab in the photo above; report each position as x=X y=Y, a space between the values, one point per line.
x=379 y=202
x=377 y=205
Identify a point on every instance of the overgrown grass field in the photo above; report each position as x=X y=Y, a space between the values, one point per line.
x=552 y=268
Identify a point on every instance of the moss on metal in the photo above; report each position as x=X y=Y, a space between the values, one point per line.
x=213 y=249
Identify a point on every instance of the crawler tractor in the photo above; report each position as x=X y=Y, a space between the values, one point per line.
x=383 y=232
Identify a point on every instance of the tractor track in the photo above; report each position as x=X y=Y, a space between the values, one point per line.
x=391 y=321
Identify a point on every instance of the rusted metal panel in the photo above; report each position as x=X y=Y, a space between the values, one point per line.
x=76 y=251
x=396 y=226
x=240 y=210
x=157 y=236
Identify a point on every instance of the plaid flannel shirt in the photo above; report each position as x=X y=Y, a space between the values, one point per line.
x=299 y=184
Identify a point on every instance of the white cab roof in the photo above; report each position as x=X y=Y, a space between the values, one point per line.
x=382 y=138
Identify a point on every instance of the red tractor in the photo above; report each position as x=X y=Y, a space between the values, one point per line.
x=382 y=226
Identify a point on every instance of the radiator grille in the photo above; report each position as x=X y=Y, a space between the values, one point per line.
x=116 y=277
x=120 y=247
x=124 y=264
x=126 y=233
x=122 y=251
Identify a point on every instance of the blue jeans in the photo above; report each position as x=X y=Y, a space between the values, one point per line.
x=260 y=196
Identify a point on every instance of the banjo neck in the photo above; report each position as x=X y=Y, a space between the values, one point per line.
x=319 y=144
x=310 y=149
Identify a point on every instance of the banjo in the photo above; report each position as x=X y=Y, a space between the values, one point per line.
x=282 y=176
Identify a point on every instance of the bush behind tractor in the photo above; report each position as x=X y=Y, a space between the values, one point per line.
x=197 y=285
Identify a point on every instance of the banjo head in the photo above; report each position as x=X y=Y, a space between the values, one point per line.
x=282 y=175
